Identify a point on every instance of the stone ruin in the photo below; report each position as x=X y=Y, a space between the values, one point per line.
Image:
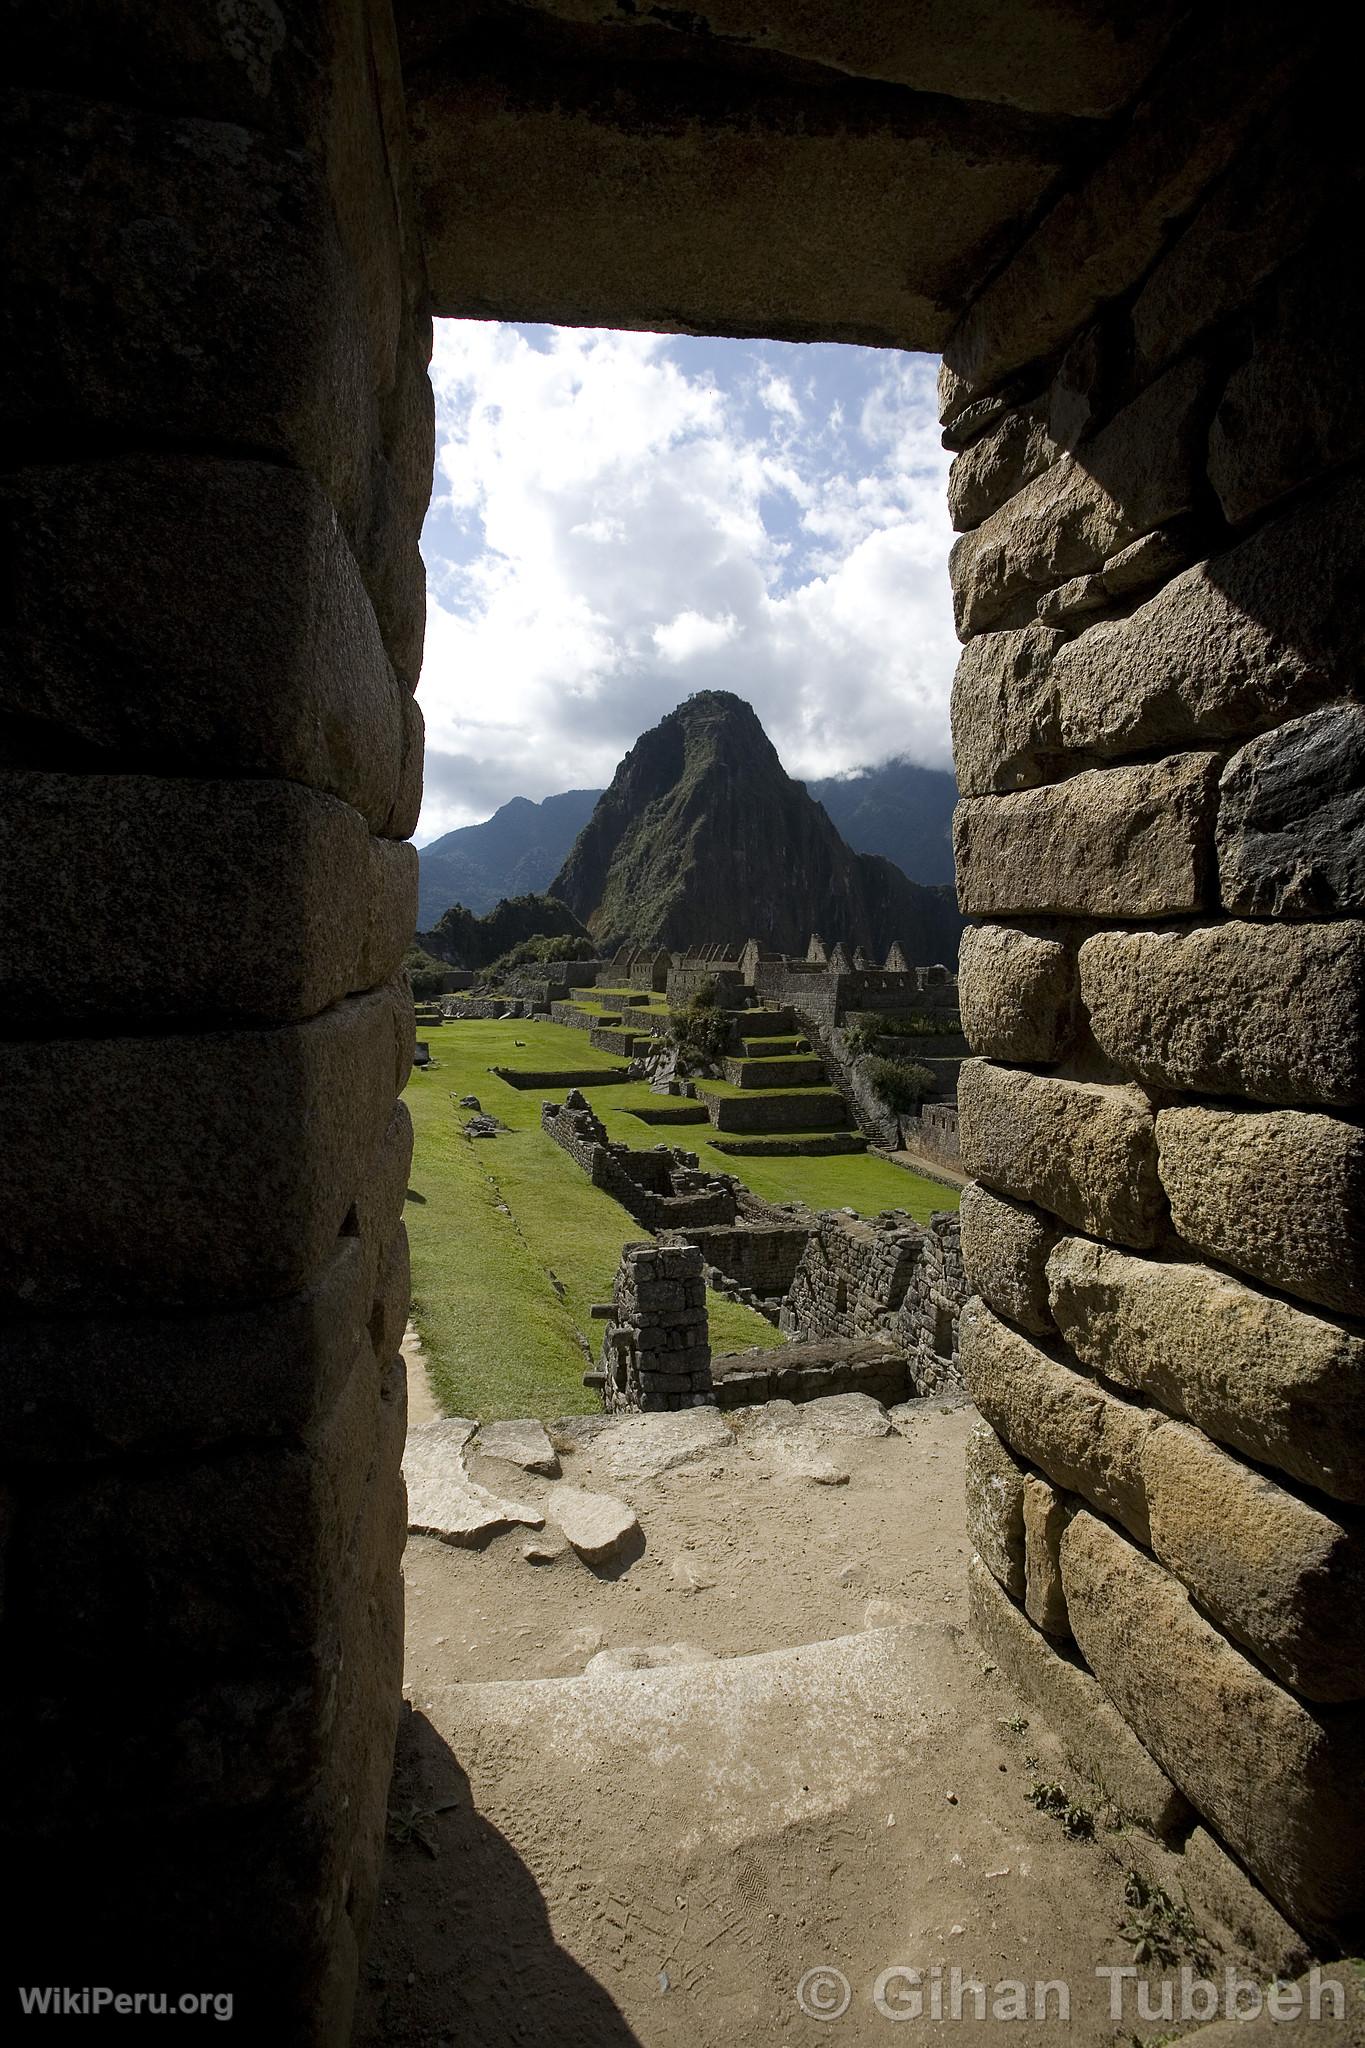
x=655 y=1349
x=1135 y=249
x=893 y=1280
x=661 y=1188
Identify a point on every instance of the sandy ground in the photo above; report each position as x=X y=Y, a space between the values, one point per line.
x=818 y=1773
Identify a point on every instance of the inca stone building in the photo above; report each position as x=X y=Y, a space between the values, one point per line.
x=1133 y=233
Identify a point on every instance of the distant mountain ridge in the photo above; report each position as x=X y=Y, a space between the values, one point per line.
x=703 y=836
x=899 y=810
x=513 y=853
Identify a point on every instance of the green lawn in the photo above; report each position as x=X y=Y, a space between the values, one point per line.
x=511 y=1245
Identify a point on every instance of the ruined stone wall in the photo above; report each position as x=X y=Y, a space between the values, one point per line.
x=927 y=1321
x=656 y=1353
x=760 y=1257
x=661 y=1188
x=1161 y=754
x=218 y=449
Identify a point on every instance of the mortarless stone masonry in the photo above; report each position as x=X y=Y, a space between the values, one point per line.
x=1161 y=820
x=1138 y=254
x=655 y=1350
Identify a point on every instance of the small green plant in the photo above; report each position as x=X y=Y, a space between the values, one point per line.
x=864 y=1032
x=1161 y=1929
x=901 y=1084
x=1077 y=1822
x=410 y=1824
x=700 y=1034
x=1017 y=1723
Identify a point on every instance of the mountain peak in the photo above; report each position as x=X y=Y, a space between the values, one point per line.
x=703 y=835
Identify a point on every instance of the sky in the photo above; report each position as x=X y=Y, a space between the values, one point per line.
x=621 y=519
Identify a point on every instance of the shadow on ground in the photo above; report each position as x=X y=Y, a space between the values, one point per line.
x=462 y=1949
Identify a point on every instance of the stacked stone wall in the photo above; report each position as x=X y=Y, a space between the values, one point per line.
x=218 y=437
x=661 y=1189
x=892 y=1279
x=1161 y=753
x=656 y=1353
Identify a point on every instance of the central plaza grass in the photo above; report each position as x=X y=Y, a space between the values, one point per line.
x=511 y=1243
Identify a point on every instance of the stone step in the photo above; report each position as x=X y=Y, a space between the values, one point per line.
x=788 y=1070
x=797 y=1109
x=674 y=1109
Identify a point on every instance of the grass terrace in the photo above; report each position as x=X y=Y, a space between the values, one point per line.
x=511 y=1245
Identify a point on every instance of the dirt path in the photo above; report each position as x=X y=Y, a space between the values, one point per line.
x=815 y=1769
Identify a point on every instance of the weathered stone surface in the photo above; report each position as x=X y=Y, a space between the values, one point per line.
x=1281 y=1782
x=1046 y=1514
x=999 y=462
x=1016 y=993
x=597 y=1526
x=512 y=212
x=844 y=1415
x=1005 y=1248
x=443 y=1501
x=1294 y=409
x=994 y=1486
x=245 y=899
x=1291 y=819
x=1277 y=1193
x=644 y=1445
x=268 y=664
x=1275 y=196
x=1086 y=1440
x=393 y=910
x=1273 y=1381
x=160 y=265
x=1224 y=648
x=1097 y=1739
x=401 y=822
x=521 y=1442
x=1218 y=1889
x=1104 y=233
x=219 y=1166
x=76 y=1388
x=1281 y=1576
x=1270 y=1011
x=1008 y=54
x=645 y=1657
x=1006 y=732
x=802 y=1454
x=1082 y=1150
x=1110 y=842
x=1139 y=471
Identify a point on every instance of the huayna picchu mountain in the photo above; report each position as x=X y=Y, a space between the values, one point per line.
x=703 y=835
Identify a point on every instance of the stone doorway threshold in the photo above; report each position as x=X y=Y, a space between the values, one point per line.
x=638 y=1803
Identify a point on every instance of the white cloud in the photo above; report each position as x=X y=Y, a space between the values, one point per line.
x=690 y=633
x=621 y=519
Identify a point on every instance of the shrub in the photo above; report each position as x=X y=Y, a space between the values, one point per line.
x=902 y=1084
x=706 y=996
x=862 y=1036
x=700 y=1033
x=427 y=978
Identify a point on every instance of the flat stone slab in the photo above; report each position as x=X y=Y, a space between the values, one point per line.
x=443 y=1501
x=647 y=1657
x=521 y=1442
x=642 y=1446
x=798 y=1454
x=576 y=1432
x=827 y=1415
x=597 y=1525
x=845 y=1415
